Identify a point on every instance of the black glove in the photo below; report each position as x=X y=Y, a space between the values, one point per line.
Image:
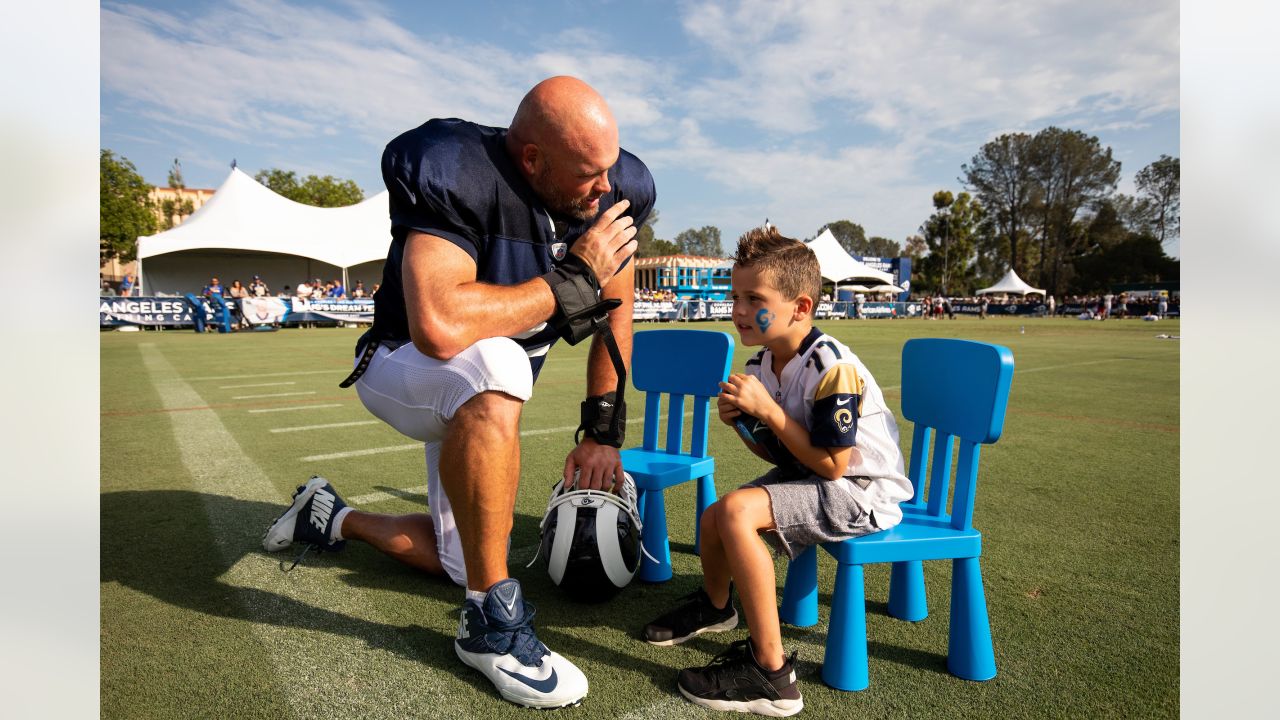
x=604 y=419
x=578 y=303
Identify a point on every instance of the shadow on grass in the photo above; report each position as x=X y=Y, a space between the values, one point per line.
x=164 y=544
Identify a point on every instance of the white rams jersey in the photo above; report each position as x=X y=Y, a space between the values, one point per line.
x=828 y=389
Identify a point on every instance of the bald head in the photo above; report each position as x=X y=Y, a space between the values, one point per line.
x=564 y=140
x=565 y=111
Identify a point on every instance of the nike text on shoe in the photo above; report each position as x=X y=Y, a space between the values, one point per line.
x=693 y=617
x=734 y=681
x=317 y=504
x=496 y=637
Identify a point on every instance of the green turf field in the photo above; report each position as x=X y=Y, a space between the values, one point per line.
x=204 y=437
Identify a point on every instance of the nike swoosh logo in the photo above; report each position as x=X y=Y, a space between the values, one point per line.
x=844 y=401
x=542 y=686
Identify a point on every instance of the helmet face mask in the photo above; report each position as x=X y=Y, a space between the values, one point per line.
x=591 y=540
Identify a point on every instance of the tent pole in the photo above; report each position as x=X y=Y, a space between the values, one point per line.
x=346 y=289
x=138 y=284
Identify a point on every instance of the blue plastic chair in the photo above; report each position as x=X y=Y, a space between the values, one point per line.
x=959 y=388
x=678 y=364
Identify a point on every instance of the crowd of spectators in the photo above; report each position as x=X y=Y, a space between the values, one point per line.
x=647 y=295
x=314 y=289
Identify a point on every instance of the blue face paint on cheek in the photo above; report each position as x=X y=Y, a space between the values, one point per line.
x=764 y=318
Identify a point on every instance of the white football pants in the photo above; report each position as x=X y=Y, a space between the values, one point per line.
x=418 y=396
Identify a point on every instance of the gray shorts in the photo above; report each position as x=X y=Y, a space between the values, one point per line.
x=809 y=509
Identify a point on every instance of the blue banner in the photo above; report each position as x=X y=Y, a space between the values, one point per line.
x=353 y=310
x=151 y=311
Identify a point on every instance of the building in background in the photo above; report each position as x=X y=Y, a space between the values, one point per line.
x=690 y=277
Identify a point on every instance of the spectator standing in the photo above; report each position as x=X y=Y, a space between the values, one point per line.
x=1051 y=306
x=237 y=291
x=1106 y=305
x=359 y=291
x=126 y=286
x=337 y=291
x=1162 y=307
x=304 y=291
x=982 y=307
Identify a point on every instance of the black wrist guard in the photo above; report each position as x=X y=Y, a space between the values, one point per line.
x=578 y=303
x=604 y=419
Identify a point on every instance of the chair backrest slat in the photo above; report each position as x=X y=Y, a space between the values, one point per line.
x=919 y=465
x=701 y=424
x=966 y=485
x=675 y=423
x=940 y=474
x=957 y=389
x=679 y=363
x=652 y=412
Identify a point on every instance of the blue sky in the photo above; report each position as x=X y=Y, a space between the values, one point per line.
x=803 y=112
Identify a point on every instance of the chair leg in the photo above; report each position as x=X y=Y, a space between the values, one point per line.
x=654 y=537
x=706 y=496
x=907 y=599
x=800 y=591
x=844 y=667
x=969 y=652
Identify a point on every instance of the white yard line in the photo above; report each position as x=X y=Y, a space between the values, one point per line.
x=255 y=397
x=300 y=622
x=326 y=426
x=296 y=407
x=270 y=384
x=380 y=496
x=264 y=375
x=401 y=448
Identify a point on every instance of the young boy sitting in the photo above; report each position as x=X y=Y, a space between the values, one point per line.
x=810 y=407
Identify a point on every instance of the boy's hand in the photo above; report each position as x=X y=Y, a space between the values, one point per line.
x=728 y=411
x=747 y=393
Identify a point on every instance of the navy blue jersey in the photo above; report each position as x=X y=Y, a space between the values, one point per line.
x=453 y=179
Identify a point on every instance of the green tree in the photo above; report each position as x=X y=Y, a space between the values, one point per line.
x=882 y=247
x=1160 y=184
x=704 y=242
x=648 y=245
x=849 y=234
x=951 y=234
x=327 y=191
x=126 y=210
x=916 y=247
x=172 y=210
x=1001 y=176
x=1073 y=172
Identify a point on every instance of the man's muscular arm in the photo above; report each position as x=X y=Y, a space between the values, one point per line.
x=449 y=310
x=601 y=465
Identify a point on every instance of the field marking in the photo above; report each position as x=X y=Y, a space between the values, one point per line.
x=326 y=426
x=255 y=397
x=299 y=622
x=270 y=384
x=382 y=496
x=261 y=375
x=296 y=407
x=400 y=448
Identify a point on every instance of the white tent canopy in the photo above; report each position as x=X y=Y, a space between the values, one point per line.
x=1011 y=284
x=837 y=265
x=246 y=229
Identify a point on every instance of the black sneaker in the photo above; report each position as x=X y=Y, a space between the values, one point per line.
x=734 y=681
x=317 y=504
x=696 y=616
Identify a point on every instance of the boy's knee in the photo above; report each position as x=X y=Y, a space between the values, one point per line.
x=736 y=507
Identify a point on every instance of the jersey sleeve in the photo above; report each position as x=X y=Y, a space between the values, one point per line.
x=419 y=200
x=837 y=404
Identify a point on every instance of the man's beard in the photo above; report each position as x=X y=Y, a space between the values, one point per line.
x=575 y=207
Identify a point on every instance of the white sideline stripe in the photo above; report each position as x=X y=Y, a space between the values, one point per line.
x=296 y=407
x=288 y=639
x=255 y=397
x=381 y=496
x=273 y=384
x=262 y=375
x=400 y=448
x=325 y=426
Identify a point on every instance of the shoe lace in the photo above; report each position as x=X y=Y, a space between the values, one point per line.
x=306 y=549
x=522 y=643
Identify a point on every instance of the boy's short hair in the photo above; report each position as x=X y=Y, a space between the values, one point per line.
x=793 y=267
